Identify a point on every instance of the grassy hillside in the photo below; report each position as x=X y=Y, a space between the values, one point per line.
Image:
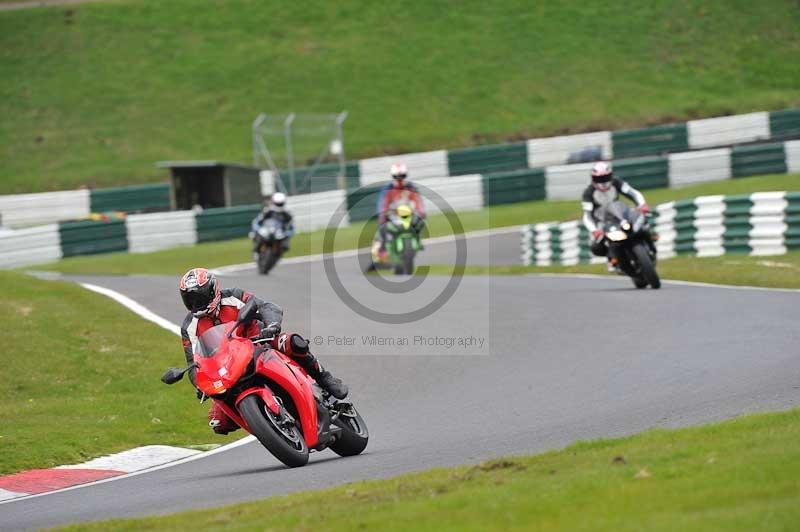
x=94 y=94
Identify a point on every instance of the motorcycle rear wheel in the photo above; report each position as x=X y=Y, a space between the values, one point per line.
x=354 y=436
x=285 y=443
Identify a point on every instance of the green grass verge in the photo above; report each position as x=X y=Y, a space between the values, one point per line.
x=95 y=94
x=214 y=254
x=781 y=271
x=81 y=378
x=737 y=475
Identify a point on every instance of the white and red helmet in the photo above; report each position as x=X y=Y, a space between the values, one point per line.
x=399 y=171
x=200 y=292
x=602 y=174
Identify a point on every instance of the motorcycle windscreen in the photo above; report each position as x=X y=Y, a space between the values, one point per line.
x=613 y=212
x=210 y=341
x=221 y=361
x=271 y=229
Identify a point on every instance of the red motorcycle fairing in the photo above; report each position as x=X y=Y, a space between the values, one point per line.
x=262 y=391
x=226 y=368
x=266 y=395
x=289 y=376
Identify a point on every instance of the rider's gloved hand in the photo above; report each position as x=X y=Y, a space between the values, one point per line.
x=597 y=234
x=272 y=330
x=644 y=208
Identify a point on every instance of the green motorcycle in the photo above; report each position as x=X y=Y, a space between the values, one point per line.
x=403 y=229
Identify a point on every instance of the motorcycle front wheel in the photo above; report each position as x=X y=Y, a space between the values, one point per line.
x=279 y=434
x=354 y=436
x=646 y=265
x=408 y=258
x=264 y=261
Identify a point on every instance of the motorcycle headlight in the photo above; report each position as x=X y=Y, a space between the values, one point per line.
x=625 y=225
x=616 y=235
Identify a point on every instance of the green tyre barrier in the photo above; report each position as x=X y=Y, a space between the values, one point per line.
x=88 y=237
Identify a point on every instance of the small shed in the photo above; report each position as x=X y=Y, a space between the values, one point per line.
x=212 y=184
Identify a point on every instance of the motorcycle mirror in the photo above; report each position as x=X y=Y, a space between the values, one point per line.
x=248 y=311
x=172 y=375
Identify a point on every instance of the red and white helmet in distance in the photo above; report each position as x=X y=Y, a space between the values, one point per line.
x=602 y=175
x=399 y=171
x=200 y=292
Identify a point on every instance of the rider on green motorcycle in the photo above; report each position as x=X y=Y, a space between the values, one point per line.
x=400 y=192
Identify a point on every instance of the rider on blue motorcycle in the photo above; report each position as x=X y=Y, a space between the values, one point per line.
x=275 y=208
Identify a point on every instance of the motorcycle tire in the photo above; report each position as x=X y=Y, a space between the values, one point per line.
x=639 y=282
x=646 y=265
x=288 y=446
x=354 y=436
x=276 y=256
x=408 y=259
x=265 y=261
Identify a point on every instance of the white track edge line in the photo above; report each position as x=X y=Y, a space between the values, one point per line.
x=137 y=308
x=237 y=443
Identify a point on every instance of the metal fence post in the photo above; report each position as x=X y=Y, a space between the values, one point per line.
x=289 y=155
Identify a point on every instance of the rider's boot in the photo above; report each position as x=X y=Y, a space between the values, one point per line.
x=219 y=421
x=329 y=383
x=613 y=265
x=297 y=348
x=382 y=253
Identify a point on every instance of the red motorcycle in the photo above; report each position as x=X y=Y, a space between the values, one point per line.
x=269 y=395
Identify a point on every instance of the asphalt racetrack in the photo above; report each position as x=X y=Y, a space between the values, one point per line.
x=562 y=359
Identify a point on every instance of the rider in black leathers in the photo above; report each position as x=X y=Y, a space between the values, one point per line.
x=605 y=189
